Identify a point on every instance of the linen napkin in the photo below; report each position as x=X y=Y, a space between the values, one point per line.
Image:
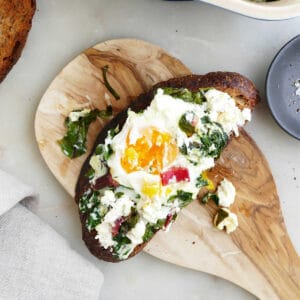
x=35 y=261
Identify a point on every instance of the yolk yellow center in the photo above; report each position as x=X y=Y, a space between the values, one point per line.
x=151 y=152
x=210 y=185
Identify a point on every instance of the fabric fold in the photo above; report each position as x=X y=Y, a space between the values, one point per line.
x=35 y=261
x=12 y=191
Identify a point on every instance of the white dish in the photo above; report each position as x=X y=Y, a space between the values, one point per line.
x=277 y=10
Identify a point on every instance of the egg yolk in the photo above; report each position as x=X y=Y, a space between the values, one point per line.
x=151 y=189
x=210 y=185
x=151 y=152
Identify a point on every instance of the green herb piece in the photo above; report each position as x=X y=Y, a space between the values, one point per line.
x=185 y=123
x=183 y=197
x=119 y=194
x=127 y=187
x=121 y=241
x=108 y=152
x=90 y=174
x=130 y=222
x=112 y=132
x=73 y=144
x=107 y=84
x=200 y=182
x=152 y=228
x=210 y=196
x=214 y=142
x=221 y=215
x=205 y=120
x=186 y=95
x=105 y=151
x=93 y=219
x=149 y=232
x=104 y=114
x=88 y=201
x=96 y=216
x=183 y=149
x=99 y=149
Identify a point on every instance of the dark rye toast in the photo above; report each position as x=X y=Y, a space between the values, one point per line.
x=15 y=23
x=239 y=87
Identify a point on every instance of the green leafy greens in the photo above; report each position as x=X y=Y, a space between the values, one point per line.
x=184 y=198
x=73 y=144
x=210 y=196
x=107 y=84
x=186 y=95
x=200 y=182
x=213 y=142
x=152 y=228
x=185 y=123
x=90 y=203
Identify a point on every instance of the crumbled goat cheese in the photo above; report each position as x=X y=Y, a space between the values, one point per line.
x=98 y=166
x=226 y=193
x=225 y=219
x=137 y=232
x=104 y=235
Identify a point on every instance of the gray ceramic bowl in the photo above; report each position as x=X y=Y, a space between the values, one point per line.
x=283 y=95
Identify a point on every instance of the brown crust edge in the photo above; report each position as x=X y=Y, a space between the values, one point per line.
x=235 y=84
x=19 y=43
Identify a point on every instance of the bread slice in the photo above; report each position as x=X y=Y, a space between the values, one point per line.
x=239 y=87
x=15 y=23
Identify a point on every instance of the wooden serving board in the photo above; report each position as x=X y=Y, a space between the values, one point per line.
x=259 y=255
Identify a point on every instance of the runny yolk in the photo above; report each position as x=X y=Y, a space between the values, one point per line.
x=151 y=152
x=210 y=185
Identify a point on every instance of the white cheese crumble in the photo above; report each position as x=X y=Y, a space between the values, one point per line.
x=153 y=210
x=226 y=193
x=98 y=166
x=120 y=208
x=137 y=232
x=125 y=250
x=75 y=115
x=108 y=199
x=230 y=222
x=224 y=111
x=104 y=235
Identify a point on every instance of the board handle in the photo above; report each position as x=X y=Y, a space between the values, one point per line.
x=263 y=237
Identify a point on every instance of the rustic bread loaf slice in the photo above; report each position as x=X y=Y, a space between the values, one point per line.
x=239 y=87
x=15 y=23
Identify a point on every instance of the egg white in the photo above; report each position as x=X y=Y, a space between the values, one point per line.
x=163 y=114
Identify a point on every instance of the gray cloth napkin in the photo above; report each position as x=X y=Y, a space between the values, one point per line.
x=35 y=261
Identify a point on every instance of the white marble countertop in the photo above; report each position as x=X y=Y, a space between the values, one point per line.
x=205 y=38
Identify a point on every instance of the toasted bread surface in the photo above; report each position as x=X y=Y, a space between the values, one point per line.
x=239 y=87
x=15 y=23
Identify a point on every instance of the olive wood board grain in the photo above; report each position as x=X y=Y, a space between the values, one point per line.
x=259 y=255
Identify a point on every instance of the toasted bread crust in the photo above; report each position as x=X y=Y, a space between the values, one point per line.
x=235 y=84
x=15 y=23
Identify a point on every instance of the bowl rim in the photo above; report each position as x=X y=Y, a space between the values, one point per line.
x=268 y=89
x=258 y=10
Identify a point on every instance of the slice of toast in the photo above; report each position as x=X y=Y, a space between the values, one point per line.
x=15 y=23
x=239 y=87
